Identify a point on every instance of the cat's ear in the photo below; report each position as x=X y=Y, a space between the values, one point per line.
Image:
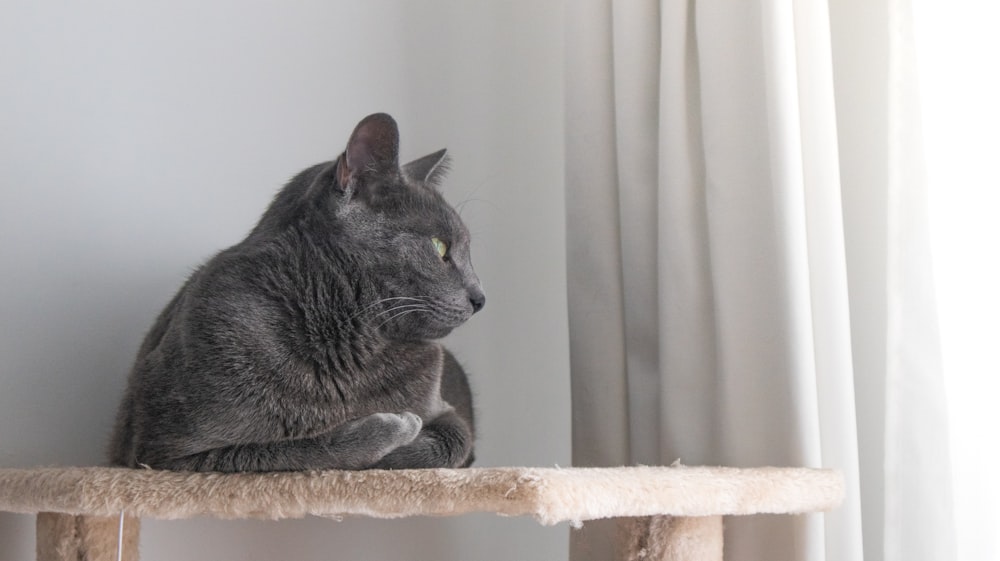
x=430 y=169
x=372 y=149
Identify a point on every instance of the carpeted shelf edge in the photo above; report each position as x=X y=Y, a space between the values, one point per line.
x=551 y=495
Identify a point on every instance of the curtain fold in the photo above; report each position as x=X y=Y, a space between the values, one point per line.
x=599 y=383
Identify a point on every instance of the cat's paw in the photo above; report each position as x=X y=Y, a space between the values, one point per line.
x=398 y=428
x=362 y=442
x=392 y=431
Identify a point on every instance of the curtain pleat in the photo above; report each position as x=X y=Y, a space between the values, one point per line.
x=635 y=68
x=600 y=394
x=688 y=395
x=600 y=398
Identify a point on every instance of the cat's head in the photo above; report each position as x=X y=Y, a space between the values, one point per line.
x=408 y=243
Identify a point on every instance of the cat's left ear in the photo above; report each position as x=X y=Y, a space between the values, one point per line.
x=372 y=149
x=430 y=169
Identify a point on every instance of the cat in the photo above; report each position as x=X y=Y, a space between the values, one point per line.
x=311 y=344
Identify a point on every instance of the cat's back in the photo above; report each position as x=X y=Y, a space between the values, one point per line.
x=227 y=305
x=205 y=332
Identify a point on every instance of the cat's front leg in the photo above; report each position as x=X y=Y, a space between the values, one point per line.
x=357 y=444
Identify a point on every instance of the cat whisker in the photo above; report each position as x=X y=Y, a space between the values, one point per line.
x=400 y=314
x=471 y=196
x=384 y=300
x=460 y=207
x=402 y=307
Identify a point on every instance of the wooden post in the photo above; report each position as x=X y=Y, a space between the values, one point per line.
x=67 y=537
x=671 y=538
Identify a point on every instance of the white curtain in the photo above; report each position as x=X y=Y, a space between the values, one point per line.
x=723 y=258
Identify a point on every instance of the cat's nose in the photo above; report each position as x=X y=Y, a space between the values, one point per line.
x=477 y=299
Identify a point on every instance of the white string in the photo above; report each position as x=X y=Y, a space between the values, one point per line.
x=121 y=529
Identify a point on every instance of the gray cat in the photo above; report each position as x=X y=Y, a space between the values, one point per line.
x=309 y=345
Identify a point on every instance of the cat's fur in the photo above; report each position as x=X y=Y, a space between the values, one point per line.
x=309 y=345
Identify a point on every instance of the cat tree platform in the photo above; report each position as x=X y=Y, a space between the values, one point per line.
x=666 y=513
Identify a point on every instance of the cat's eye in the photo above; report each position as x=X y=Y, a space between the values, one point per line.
x=440 y=246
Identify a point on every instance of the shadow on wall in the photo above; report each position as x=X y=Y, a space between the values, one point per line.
x=13 y=528
x=74 y=344
x=71 y=327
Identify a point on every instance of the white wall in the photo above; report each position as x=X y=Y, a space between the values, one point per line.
x=137 y=139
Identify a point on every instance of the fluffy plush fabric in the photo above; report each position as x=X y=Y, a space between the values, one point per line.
x=551 y=495
x=665 y=513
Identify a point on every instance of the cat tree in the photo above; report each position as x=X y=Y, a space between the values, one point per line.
x=665 y=513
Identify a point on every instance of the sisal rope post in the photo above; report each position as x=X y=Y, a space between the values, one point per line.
x=671 y=538
x=69 y=537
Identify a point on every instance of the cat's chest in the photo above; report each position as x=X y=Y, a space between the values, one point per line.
x=405 y=372
x=404 y=377
x=395 y=377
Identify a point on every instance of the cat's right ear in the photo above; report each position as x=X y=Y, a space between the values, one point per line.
x=430 y=169
x=372 y=149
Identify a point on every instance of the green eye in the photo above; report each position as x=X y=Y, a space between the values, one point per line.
x=440 y=246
